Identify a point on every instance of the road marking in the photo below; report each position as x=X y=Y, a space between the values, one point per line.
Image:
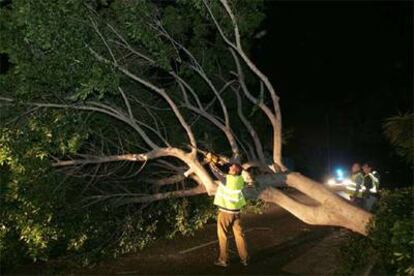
x=216 y=241
x=135 y=272
x=198 y=246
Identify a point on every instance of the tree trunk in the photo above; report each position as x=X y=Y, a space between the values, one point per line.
x=329 y=210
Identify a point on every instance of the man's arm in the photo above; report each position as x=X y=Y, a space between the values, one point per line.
x=368 y=184
x=358 y=185
x=218 y=173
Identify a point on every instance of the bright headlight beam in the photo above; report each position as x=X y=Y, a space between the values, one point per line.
x=331 y=181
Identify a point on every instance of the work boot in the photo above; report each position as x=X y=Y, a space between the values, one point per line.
x=220 y=263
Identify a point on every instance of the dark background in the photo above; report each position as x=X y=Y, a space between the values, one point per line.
x=340 y=69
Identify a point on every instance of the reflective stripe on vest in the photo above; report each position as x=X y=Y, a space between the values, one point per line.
x=225 y=196
x=375 y=183
x=230 y=196
x=350 y=190
x=228 y=190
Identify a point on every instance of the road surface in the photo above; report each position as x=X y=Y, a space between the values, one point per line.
x=276 y=241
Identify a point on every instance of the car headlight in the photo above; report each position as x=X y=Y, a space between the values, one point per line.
x=331 y=181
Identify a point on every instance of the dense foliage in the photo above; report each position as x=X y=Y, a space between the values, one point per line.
x=390 y=243
x=45 y=215
x=78 y=214
x=399 y=131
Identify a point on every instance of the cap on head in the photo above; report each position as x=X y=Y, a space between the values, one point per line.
x=235 y=169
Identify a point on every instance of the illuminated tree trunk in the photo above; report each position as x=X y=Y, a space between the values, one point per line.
x=329 y=210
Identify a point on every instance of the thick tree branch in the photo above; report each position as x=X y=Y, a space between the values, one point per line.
x=127 y=104
x=167 y=180
x=277 y=128
x=114 y=158
x=161 y=196
x=306 y=213
x=251 y=130
x=340 y=211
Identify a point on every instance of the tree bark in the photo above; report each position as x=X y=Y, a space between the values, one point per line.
x=330 y=210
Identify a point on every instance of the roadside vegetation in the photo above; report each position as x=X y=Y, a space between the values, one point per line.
x=389 y=246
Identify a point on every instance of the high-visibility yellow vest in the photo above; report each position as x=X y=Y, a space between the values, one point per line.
x=230 y=196
x=375 y=182
x=356 y=178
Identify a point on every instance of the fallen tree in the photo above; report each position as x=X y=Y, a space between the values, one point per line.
x=177 y=81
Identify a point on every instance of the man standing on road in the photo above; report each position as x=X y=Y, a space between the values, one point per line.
x=371 y=183
x=356 y=190
x=229 y=199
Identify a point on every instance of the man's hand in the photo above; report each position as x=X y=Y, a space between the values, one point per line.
x=208 y=157
x=211 y=158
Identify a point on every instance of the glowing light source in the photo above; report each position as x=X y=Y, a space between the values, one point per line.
x=331 y=181
x=339 y=174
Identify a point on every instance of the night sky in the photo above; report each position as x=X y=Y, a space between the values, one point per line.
x=340 y=69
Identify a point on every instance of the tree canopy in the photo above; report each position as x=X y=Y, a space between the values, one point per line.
x=108 y=108
x=50 y=48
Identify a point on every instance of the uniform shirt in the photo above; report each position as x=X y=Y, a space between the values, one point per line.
x=222 y=178
x=358 y=179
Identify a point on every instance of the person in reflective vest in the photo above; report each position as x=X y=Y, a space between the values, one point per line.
x=356 y=187
x=229 y=199
x=371 y=183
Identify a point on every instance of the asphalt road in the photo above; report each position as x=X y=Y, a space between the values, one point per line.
x=275 y=240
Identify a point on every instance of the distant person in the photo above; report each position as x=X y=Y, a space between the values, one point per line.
x=371 y=183
x=356 y=190
x=229 y=199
